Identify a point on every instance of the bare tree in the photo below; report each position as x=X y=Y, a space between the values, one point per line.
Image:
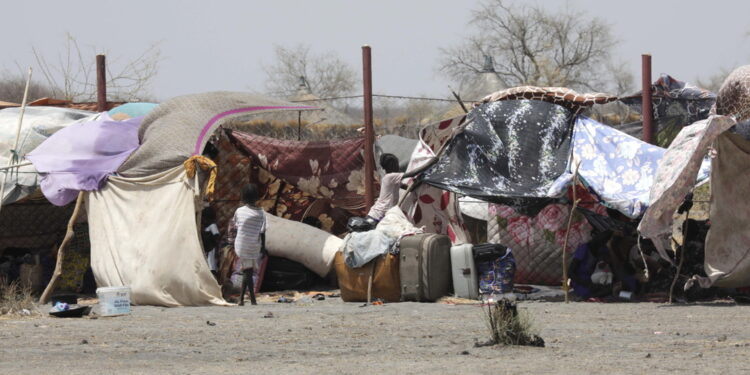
x=530 y=45
x=13 y=85
x=713 y=82
x=325 y=75
x=72 y=75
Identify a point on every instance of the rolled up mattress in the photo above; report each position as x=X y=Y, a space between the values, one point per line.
x=302 y=243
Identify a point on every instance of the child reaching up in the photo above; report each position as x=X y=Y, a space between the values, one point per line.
x=248 y=229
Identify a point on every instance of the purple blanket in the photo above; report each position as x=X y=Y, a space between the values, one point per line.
x=81 y=156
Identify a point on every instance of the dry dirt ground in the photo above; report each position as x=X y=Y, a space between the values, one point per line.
x=333 y=337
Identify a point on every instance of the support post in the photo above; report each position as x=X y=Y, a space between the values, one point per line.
x=299 y=125
x=61 y=251
x=101 y=84
x=565 y=285
x=647 y=109
x=369 y=131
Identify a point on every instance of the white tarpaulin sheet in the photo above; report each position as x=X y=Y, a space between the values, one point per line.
x=38 y=124
x=144 y=235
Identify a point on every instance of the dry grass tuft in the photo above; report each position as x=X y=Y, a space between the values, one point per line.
x=16 y=300
x=509 y=327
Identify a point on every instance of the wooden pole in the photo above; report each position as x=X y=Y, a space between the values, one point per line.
x=647 y=109
x=61 y=251
x=369 y=282
x=369 y=131
x=461 y=102
x=682 y=255
x=101 y=83
x=565 y=285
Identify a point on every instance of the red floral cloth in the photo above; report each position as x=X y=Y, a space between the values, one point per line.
x=426 y=206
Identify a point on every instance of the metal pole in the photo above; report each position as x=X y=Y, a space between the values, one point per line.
x=299 y=125
x=647 y=109
x=369 y=131
x=101 y=84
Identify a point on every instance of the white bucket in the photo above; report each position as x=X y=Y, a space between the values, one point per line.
x=113 y=300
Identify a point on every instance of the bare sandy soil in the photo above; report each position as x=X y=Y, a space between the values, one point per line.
x=333 y=337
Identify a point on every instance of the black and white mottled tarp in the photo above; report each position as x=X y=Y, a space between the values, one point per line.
x=510 y=149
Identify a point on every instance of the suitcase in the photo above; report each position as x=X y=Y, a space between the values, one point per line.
x=464 y=270
x=353 y=281
x=425 y=267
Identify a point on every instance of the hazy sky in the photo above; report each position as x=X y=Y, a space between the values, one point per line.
x=220 y=45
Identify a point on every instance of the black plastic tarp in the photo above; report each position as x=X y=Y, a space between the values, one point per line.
x=509 y=150
x=676 y=104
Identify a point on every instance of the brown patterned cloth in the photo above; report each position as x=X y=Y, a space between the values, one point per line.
x=734 y=95
x=565 y=97
x=331 y=170
x=236 y=167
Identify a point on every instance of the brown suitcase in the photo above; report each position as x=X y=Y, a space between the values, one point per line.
x=385 y=282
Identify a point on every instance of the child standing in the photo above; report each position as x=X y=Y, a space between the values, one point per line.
x=248 y=229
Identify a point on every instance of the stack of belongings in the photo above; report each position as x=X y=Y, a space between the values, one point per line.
x=725 y=135
x=394 y=262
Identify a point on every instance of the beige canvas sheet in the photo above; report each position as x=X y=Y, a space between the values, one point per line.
x=727 y=255
x=144 y=235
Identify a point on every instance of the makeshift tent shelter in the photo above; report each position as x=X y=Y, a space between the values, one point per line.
x=727 y=262
x=157 y=252
x=609 y=162
x=27 y=220
x=143 y=226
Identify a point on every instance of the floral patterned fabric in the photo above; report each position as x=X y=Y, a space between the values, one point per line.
x=278 y=197
x=427 y=206
x=331 y=170
x=537 y=241
x=618 y=168
x=676 y=176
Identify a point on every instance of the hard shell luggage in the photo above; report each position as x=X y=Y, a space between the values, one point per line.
x=425 y=267
x=465 y=279
x=353 y=281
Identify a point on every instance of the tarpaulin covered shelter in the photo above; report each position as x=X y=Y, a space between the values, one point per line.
x=724 y=135
x=143 y=225
x=498 y=155
x=28 y=222
x=143 y=220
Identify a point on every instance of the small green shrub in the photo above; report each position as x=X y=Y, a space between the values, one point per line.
x=507 y=326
